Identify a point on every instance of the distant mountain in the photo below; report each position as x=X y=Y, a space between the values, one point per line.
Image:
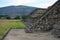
x=16 y=10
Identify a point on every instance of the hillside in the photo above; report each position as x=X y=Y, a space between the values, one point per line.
x=16 y=10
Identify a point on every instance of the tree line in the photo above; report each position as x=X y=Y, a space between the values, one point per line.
x=16 y=17
x=9 y=17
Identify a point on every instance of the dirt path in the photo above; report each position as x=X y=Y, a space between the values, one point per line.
x=19 y=34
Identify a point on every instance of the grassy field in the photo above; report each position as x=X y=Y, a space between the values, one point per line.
x=7 y=24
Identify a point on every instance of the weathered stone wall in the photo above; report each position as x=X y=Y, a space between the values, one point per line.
x=33 y=17
x=47 y=21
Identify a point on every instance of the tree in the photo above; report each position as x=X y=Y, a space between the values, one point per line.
x=8 y=17
x=17 y=17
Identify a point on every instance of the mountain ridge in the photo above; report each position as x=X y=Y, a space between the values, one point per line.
x=16 y=10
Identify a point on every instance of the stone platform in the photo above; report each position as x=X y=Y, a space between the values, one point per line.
x=19 y=34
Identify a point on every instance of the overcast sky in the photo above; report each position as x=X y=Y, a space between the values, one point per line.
x=33 y=3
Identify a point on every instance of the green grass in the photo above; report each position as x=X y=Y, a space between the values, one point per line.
x=7 y=24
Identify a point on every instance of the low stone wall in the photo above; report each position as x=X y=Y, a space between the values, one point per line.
x=5 y=34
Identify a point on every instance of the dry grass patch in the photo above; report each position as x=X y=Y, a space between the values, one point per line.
x=7 y=24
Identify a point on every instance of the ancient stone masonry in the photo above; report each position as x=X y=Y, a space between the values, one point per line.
x=47 y=21
x=33 y=17
x=50 y=18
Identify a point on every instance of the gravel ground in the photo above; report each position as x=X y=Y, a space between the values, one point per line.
x=19 y=34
